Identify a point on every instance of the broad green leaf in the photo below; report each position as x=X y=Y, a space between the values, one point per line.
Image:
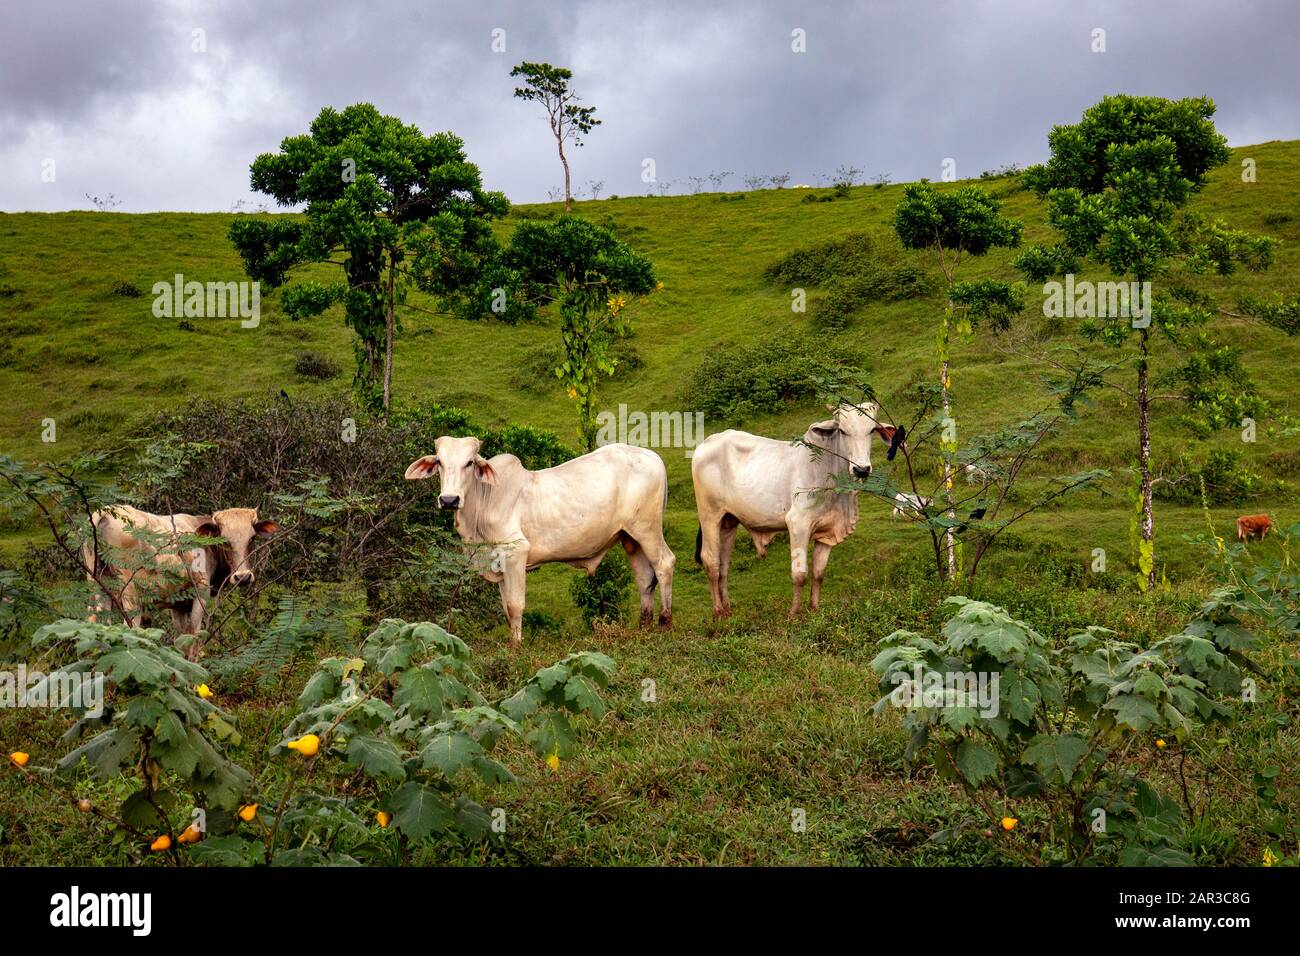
x=450 y=752
x=582 y=696
x=134 y=664
x=419 y=811
x=376 y=756
x=491 y=772
x=1132 y=711
x=322 y=686
x=1056 y=756
x=524 y=702
x=420 y=690
x=551 y=734
x=226 y=851
x=976 y=762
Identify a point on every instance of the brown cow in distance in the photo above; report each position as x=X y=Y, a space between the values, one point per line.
x=1249 y=526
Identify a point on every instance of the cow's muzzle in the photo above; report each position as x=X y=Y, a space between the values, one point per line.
x=449 y=501
x=861 y=472
x=241 y=577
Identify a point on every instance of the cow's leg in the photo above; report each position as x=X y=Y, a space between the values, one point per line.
x=663 y=561
x=645 y=578
x=821 y=555
x=710 y=540
x=798 y=566
x=89 y=563
x=194 y=621
x=512 y=591
x=726 y=543
x=132 y=609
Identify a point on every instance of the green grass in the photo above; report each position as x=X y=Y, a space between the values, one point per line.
x=755 y=718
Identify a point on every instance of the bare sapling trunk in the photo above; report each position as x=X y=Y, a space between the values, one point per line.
x=568 y=194
x=1148 y=528
x=389 y=322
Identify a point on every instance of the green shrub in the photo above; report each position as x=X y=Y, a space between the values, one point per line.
x=398 y=729
x=1051 y=736
x=851 y=254
x=125 y=289
x=1225 y=479
x=845 y=295
x=314 y=365
x=604 y=596
x=271 y=454
x=734 y=382
x=536 y=371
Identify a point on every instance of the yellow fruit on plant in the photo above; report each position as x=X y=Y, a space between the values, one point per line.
x=1009 y=823
x=20 y=758
x=164 y=842
x=248 y=812
x=203 y=690
x=192 y=834
x=1160 y=742
x=553 y=761
x=383 y=818
x=84 y=805
x=307 y=745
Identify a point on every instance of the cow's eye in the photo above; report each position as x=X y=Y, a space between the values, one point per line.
x=468 y=464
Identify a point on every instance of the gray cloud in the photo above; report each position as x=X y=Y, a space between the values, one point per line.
x=114 y=93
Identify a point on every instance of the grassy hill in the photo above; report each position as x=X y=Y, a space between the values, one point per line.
x=75 y=349
x=757 y=716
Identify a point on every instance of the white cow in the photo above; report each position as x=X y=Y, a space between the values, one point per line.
x=909 y=505
x=574 y=512
x=147 y=557
x=771 y=486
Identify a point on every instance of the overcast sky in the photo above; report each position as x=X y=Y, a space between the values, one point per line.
x=110 y=96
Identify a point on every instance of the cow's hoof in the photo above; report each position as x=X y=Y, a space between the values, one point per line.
x=665 y=622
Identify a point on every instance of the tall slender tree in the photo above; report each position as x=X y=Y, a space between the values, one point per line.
x=952 y=224
x=549 y=85
x=1115 y=186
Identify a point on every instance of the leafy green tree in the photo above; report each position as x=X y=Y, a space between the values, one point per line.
x=549 y=85
x=952 y=224
x=1115 y=187
x=388 y=205
x=588 y=273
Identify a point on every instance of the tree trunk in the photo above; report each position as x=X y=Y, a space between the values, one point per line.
x=1144 y=451
x=950 y=545
x=389 y=306
x=568 y=196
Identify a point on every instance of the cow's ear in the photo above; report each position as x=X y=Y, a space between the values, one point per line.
x=266 y=528
x=826 y=428
x=424 y=467
x=484 y=471
x=209 y=529
x=895 y=435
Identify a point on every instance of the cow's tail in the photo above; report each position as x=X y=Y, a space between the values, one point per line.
x=699 y=544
